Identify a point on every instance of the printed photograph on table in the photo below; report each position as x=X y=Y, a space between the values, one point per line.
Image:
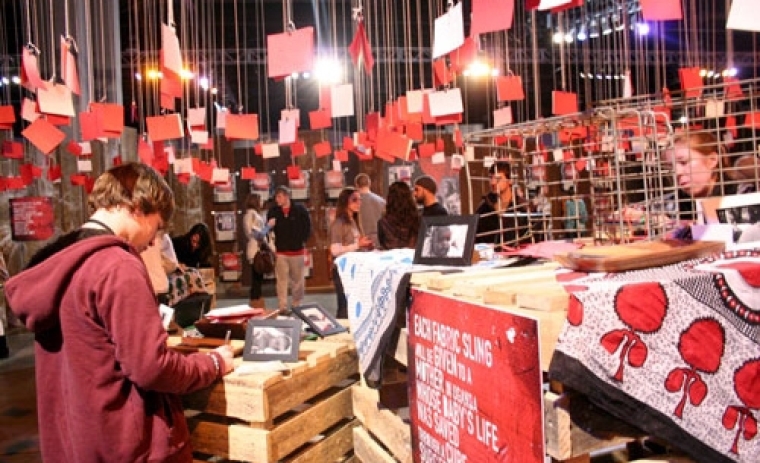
x=321 y=322
x=224 y=225
x=272 y=340
x=446 y=240
x=739 y=213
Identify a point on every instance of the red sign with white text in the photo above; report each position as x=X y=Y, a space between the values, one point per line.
x=32 y=218
x=474 y=383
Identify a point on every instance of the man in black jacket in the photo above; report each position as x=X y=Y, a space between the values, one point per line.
x=291 y=224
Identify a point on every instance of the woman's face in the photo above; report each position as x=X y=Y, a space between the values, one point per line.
x=355 y=202
x=195 y=241
x=694 y=170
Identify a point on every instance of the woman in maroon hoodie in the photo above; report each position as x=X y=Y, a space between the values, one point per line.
x=107 y=386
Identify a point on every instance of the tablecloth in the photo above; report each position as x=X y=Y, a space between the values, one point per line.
x=673 y=350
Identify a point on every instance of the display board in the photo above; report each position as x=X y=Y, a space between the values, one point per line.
x=474 y=383
x=32 y=218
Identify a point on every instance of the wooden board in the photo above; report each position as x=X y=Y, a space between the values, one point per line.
x=369 y=451
x=188 y=345
x=623 y=257
x=384 y=424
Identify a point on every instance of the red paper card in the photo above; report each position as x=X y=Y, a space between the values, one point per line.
x=74 y=148
x=248 y=173
x=58 y=121
x=78 y=179
x=166 y=127
x=145 y=152
x=414 y=131
x=13 y=150
x=464 y=55
x=322 y=149
x=31 y=73
x=509 y=88
x=325 y=99
x=297 y=148
x=567 y=6
x=691 y=81
x=661 y=10
x=348 y=143
x=449 y=119
x=441 y=73
x=111 y=116
x=426 y=150
x=294 y=172
x=341 y=155
x=242 y=127
x=7 y=115
x=258 y=149
x=319 y=119
x=733 y=89
x=54 y=173
x=290 y=52
x=491 y=15
x=394 y=144
x=43 y=135
x=564 y=103
x=752 y=120
x=439 y=144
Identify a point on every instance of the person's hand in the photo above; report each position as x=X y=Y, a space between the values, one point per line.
x=365 y=242
x=271 y=222
x=228 y=356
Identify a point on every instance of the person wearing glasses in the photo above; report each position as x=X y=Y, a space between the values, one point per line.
x=108 y=388
x=346 y=235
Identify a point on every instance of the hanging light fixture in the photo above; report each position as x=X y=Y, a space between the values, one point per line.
x=593 y=29
x=605 y=25
x=582 y=33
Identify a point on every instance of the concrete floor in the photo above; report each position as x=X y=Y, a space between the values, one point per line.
x=18 y=409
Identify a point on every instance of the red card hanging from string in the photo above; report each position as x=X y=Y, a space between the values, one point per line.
x=458 y=142
x=322 y=149
x=360 y=49
x=168 y=127
x=297 y=148
x=248 y=173
x=290 y=52
x=58 y=121
x=242 y=127
x=319 y=119
x=144 y=152
x=69 y=72
x=294 y=172
x=54 y=173
x=691 y=81
x=341 y=155
x=372 y=122
x=532 y=4
x=74 y=148
x=393 y=144
x=30 y=76
x=491 y=16
x=463 y=56
x=111 y=117
x=414 y=131
x=426 y=150
x=564 y=103
x=509 y=88
x=171 y=54
x=43 y=135
x=29 y=110
x=13 y=150
x=348 y=143
x=441 y=73
x=661 y=10
x=733 y=91
x=7 y=117
x=325 y=99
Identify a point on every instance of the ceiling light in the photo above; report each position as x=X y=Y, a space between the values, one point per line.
x=582 y=33
x=642 y=28
x=593 y=29
x=606 y=28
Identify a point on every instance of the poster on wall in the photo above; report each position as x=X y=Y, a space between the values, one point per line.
x=225 y=192
x=231 y=266
x=448 y=195
x=224 y=224
x=32 y=218
x=400 y=174
x=473 y=373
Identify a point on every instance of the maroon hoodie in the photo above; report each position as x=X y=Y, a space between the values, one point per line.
x=107 y=386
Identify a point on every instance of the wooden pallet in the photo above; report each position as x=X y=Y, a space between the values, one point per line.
x=384 y=432
x=302 y=415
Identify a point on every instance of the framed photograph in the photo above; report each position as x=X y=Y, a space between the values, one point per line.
x=446 y=240
x=225 y=225
x=272 y=340
x=319 y=320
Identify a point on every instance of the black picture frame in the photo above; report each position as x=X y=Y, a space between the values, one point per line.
x=461 y=231
x=320 y=321
x=272 y=340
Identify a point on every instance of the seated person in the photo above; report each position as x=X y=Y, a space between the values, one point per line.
x=171 y=280
x=503 y=218
x=194 y=248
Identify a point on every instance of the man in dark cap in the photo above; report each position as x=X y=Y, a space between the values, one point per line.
x=424 y=193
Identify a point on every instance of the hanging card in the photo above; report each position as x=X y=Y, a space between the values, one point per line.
x=31 y=70
x=464 y=55
x=426 y=150
x=221 y=118
x=564 y=103
x=220 y=175
x=90 y=126
x=248 y=173
x=111 y=116
x=341 y=156
x=54 y=173
x=287 y=133
x=661 y=10
x=509 y=88
x=7 y=116
x=166 y=127
x=502 y=116
x=319 y=119
x=567 y=5
x=84 y=165
x=550 y=4
x=449 y=31
x=183 y=166
x=69 y=73
x=322 y=149
x=733 y=91
x=13 y=150
x=393 y=144
x=325 y=101
x=196 y=117
x=74 y=148
x=56 y=120
x=441 y=74
x=270 y=150
x=170 y=51
x=293 y=172
x=242 y=127
x=342 y=100
x=360 y=49
x=491 y=15
x=55 y=99
x=714 y=107
x=199 y=137
x=414 y=131
x=297 y=148
x=414 y=101
x=744 y=16
x=43 y=135
x=294 y=114
x=290 y=52
x=446 y=102
x=144 y=152
x=348 y=143
x=691 y=81
x=438 y=158
x=29 y=110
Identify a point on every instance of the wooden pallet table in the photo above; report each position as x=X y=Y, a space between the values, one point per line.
x=384 y=435
x=303 y=415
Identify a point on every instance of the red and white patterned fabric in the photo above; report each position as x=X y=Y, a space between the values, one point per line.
x=673 y=350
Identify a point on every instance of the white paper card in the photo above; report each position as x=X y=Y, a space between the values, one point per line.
x=171 y=155
x=199 y=137
x=220 y=175
x=84 y=165
x=29 y=110
x=446 y=102
x=414 y=101
x=449 y=31
x=558 y=155
x=86 y=148
x=287 y=130
x=183 y=166
x=549 y=4
x=336 y=165
x=457 y=161
x=270 y=150
x=469 y=153
x=167 y=315
x=627 y=85
x=714 y=108
x=438 y=158
x=744 y=15
x=502 y=116
x=196 y=117
x=55 y=99
x=292 y=114
x=170 y=47
x=342 y=100
x=221 y=118
x=488 y=161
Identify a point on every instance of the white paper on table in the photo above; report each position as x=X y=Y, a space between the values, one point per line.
x=502 y=116
x=170 y=47
x=250 y=368
x=446 y=102
x=183 y=166
x=270 y=150
x=449 y=31
x=196 y=117
x=414 y=102
x=342 y=100
x=744 y=15
x=438 y=158
x=287 y=130
x=232 y=311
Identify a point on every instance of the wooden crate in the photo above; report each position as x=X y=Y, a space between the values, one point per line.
x=304 y=415
x=384 y=435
